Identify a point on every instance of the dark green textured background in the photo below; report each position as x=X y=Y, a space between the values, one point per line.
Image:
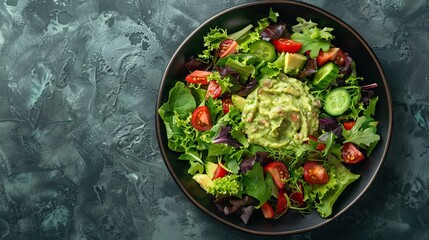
x=78 y=152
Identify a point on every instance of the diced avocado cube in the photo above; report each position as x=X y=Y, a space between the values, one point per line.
x=238 y=102
x=294 y=62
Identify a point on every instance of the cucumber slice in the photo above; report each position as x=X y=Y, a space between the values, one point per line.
x=337 y=101
x=264 y=50
x=325 y=76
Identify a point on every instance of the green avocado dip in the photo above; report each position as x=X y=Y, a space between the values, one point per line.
x=280 y=112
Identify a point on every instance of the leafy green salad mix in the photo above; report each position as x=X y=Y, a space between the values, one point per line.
x=271 y=117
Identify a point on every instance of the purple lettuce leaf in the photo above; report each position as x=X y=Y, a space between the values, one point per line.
x=366 y=96
x=195 y=64
x=224 y=136
x=263 y=158
x=247 y=164
x=240 y=206
x=328 y=124
x=346 y=68
x=275 y=31
x=246 y=213
x=250 y=85
x=309 y=69
x=331 y=125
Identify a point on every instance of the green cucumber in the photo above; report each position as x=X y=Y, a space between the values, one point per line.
x=337 y=101
x=264 y=50
x=325 y=76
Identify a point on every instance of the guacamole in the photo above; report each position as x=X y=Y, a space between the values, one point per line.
x=279 y=112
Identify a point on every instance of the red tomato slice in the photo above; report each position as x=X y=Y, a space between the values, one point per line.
x=281 y=207
x=349 y=125
x=267 y=210
x=226 y=102
x=227 y=47
x=214 y=90
x=320 y=146
x=335 y=55
x=198 y=77
x=351 y=154
x=315 y=173
x=201 y=118
x=278 y=171
x=220 y=172
x=286 y=45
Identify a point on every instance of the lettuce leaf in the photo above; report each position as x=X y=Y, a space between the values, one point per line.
x=212 y=41
x=340 y=178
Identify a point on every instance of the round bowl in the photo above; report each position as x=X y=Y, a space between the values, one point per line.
x=368 y=67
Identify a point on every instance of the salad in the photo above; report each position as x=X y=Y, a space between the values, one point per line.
x=270 y=118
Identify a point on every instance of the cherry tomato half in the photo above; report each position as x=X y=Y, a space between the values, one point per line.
x=286 y=45
x=201 y=118
x=281 y=207
x=227 y=47
x=349 y=125
x=198 y=77
x=278 y=171
x=226 y=102
x=351 y=154
x=220 y=172
x=267 y=210
x=335 y=55
x=315 y=173
x=214 y=90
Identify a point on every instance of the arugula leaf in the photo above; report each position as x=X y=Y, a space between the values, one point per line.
x=311 y=43
x=370 y=110
x=363 y=133
x=312 y=38
x=265 y=22
x=303 y=24
x=256 y=185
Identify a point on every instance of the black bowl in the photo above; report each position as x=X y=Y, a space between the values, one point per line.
x=368 y=67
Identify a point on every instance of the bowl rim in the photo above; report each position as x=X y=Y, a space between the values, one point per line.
x=319 y=10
